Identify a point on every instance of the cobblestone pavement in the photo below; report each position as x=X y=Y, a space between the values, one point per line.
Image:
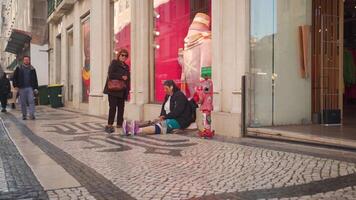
x=16 y=179
x=175 y=166
x=3 y=184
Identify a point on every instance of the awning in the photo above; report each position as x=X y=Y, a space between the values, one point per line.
x=12 y=65
x=17 y=41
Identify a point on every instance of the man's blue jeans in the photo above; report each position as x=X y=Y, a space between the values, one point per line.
x=26 y=97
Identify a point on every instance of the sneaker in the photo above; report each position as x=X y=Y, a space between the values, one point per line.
x=32 y=117
x=125 y=128
x=24 y=117
x=109 y=129
x=134 y=127
x=3 y=110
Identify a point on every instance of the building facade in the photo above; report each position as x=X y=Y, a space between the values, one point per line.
x=275 y=44
x=25 y=19
x=84 y=36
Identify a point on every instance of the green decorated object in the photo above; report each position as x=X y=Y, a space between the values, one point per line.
x=206 y=72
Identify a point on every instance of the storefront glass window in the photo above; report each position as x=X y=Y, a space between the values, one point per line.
x=85 y=59
x=182 y=43
x=122 y=26
x=280 y=62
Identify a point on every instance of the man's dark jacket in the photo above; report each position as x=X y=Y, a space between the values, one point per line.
x=18 y=80
x=180 y=109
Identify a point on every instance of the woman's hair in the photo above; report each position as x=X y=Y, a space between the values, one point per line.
x=120 y=51
x=170 y=83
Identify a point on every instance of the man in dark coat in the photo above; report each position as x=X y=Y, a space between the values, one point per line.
x=5 y=90
x=25 y=79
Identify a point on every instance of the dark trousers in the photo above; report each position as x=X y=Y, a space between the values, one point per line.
x=116 y=104
x=3 y=100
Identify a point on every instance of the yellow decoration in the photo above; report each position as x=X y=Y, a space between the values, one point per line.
x=85 y=74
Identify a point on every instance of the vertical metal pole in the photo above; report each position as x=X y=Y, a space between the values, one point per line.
x=243 y=105
x=322 y=71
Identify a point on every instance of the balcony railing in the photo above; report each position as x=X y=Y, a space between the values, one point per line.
x=51 y=6
x=58 y=8
x=58 y=2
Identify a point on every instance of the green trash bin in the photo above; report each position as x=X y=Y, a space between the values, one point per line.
x=43 y=95
x=55 y=95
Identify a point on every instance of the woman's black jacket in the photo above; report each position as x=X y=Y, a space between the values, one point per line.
x=180 y=109
x=117 y=69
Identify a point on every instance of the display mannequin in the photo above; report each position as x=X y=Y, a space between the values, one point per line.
x=196 y=53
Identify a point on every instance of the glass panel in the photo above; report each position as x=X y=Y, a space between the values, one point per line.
x=70 y=63
x=122 y=26
x=86 y=60
x=292 y=50
x=280 y=62
x=172 y=21
x=262 y=37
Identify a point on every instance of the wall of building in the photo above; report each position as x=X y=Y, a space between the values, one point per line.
x=59 y=29
x=230 y=62
x=41 y=65
x=230 y=40
x=19 y=15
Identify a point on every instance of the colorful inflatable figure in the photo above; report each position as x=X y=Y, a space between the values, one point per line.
x=204 y=97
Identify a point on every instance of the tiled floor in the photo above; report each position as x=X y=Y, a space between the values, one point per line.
x=175 y=166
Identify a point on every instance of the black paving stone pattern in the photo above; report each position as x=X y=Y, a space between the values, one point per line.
x=21 y=182
x=96 y=184
x=312 y=188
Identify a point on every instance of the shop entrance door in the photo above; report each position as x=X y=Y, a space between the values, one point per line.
x=327 y=50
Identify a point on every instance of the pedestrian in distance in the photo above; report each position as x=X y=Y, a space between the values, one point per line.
x=5 y=90
x=14 y=93
x=25 y=79
x=117 y=88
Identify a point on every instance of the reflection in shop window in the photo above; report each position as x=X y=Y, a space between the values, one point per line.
x=280 y=62
x=122 y=25
x=86 y=60
x=184 y=42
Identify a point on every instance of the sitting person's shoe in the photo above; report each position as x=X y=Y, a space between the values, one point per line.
x=134 y=127
x=3 y=110
x=109 y=129
x=125 y=128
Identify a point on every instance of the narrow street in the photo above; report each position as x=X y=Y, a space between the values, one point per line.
x=67 y=155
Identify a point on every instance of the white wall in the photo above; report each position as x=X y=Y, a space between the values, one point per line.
x=230 y=29
x=292 y=92
x=39 y=59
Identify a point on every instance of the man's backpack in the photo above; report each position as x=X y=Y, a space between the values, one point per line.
x=193 y=105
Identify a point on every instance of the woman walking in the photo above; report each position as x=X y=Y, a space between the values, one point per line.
x=117 y=88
